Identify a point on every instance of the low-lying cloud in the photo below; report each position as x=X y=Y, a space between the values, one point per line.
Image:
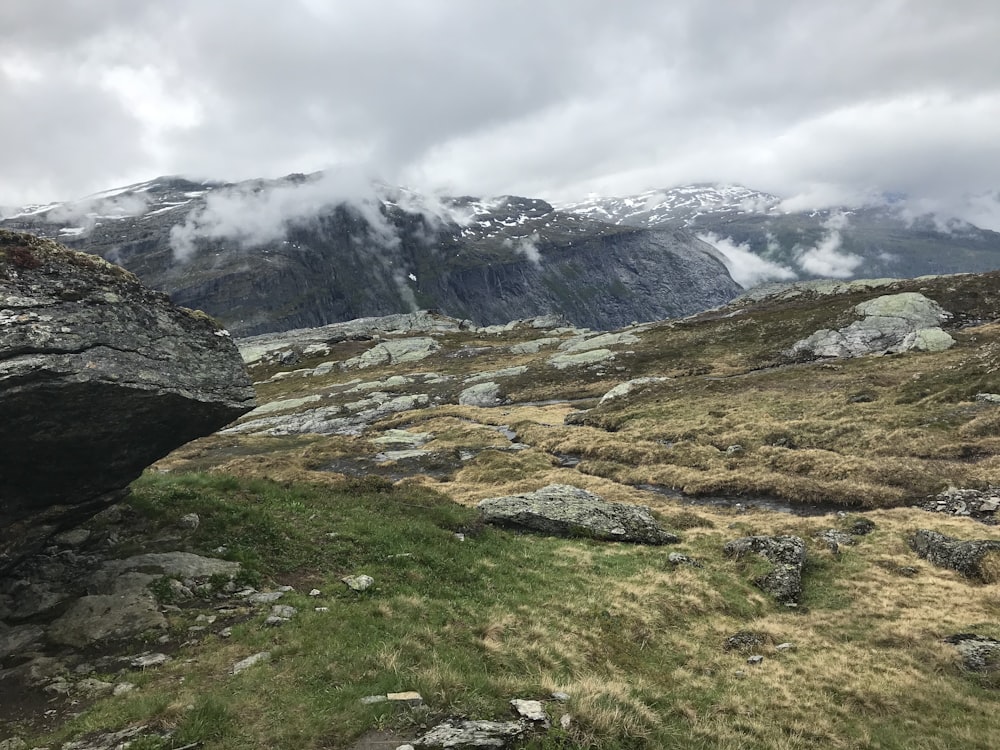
x=254 y=214
x=526 y=246
x=825 y=257
x=747 y=268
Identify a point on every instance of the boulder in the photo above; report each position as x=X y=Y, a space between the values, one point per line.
x=966 y=557
x=563 y=360
x=908 y=321
x=99 y=377
x=563 y=510
x=393 y=352
x=787 y=555
x=624 y=389
x=484 y=395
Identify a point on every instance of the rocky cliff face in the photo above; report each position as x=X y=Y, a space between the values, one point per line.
x=269 y=256
x=99 y=377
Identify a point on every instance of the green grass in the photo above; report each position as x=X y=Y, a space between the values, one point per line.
x=470 y=624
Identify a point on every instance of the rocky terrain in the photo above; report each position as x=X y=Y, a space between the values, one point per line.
x=770 y=524
x=272 y=255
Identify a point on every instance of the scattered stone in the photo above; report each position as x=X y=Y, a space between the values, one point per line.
x=14 y=743
x=785 y=647
x=402 y=437
x=395 y=351
x=174 y=564
x=273 y=622
x=250 y=661
x=531 y=710
x=834 y=539
x=189 y=521
x=565 y=721
x=93 y=688
x=966 y=557
x=980 y=505
x=458 y=734
x=483 y=395
x=388 y=456
x=787 y=555
x=746 y=640
x=755 y=659
x=563 y=510
x=147 y=661
x=404 y=747
x=322 y=609
x=286 y=589
x=315 y=592
x=371 y=700
x=533 y=347
x=226 y=632
x=358 y=583
x=979 y=654
x=861 y=527
x=601 y=341
x=988 y=398
x=628 y=387
x=560 y=696
x=735 y=450
x=122 y=688
x=117 y=740
x=563 y=360
x=265 y=597
x=409 y=697
x=676 y=558
x=507 y=372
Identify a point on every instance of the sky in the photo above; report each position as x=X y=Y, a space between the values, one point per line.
x=823 y=102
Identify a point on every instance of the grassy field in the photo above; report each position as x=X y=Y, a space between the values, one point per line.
x=636 y=642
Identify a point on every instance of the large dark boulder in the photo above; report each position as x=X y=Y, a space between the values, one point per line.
x=786 y=554
x=99 y=377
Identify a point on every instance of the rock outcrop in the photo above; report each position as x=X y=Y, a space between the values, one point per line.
x=563 y=510
x=907 y=321
x=970 y=558
x=787 y=555
x=978 y=653
x=99 y=377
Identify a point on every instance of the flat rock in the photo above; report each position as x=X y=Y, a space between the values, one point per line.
x=101 y=618
x=966 y=557
x=563 y=510
x=99 y=377
x=629 y=386
x=787 y=555
x=250 y=661
x=483 y=395
x=471 y=734
x=600 y=341
x=13 y=640
x=396 y=351
x=563 y=360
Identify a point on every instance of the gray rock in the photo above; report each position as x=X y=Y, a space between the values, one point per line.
x=472 y=734
x=250 y=661
x=787 y=555
x=402 y=437
x=100 y=618
x=405 y=697
x=100 y=377
x=755 y=659
x=395 y=351
x=891 y=323
x=676 y=558
x=560 y=696
x=531 y=710
x=284 y=610
x=533 y=347
x=148 y=661
x=988 y=398
x=785 y=647
x=482 y=395
x=117 y=740
x=358 y=583
x=834 y=539
x=979 y=654
x=966 y=557
x=72 y=538
x=630 y=386
x=600 y=341
x=507 y=372
x=265 y=597
x=563 y=510
x=93 y=688
x=576 y=359
x=371 y=700
x=14 y=743
x=746 y=640
x=13 y=640
x=174 y=564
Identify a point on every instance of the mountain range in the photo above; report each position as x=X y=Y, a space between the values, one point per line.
x=306 y=250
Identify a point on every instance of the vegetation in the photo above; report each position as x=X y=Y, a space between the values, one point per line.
x=471 y=617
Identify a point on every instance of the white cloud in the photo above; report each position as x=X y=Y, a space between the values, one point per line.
x=747 y=268
x=526 y=246
x=825 y=258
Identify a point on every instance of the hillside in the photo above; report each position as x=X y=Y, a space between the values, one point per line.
x=375 y=440
x=305 y=251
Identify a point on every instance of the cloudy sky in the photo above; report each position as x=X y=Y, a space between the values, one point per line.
x=822 y=101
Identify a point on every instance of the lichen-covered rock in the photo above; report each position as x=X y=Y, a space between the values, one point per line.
x=563 y=510
x=624 y=389
x=787 y=555
x=99 y=377
x=483 y=395
x=563 y=360
x=463 y=734
x=395 y=351
x=890 y=323
x=979 y=653
x=966 y=557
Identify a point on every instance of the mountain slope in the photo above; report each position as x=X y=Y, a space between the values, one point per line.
x=301 y=251
x=875 y=240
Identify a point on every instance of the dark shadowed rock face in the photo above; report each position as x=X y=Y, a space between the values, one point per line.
x=99 y=377
x=563 y=510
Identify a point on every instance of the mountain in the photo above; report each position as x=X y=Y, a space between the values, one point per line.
x=308 y=250
x=763 y=241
